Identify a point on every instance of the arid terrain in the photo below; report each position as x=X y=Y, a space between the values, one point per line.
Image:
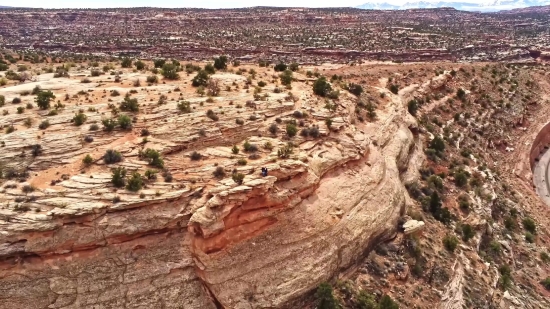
x=130 y=189
x=304 y=35
x=131 y=183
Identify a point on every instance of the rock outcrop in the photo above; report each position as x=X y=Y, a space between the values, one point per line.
x=200 y=241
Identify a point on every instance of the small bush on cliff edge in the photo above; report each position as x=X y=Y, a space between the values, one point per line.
x=325 y=297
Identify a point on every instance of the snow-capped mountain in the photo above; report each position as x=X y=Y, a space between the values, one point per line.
x=489 y=6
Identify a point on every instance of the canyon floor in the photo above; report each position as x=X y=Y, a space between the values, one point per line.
x=130 y=191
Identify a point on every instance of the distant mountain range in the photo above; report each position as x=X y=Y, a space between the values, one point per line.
x=488 y=6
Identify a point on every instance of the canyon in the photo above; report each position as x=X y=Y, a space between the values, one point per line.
x=350 y=196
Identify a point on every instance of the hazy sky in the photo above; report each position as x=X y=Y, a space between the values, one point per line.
x=189 y=3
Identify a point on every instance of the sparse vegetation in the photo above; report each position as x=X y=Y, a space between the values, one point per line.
x=219 y=172
x=325 y=297
x=195 y=156
x=134 y=183
x=118 y=177
x=238 y=178
x=450 y=242
x=291 y=129
x=87 y=160
x=112 y=156
x=321 y=87
x=129 y=104
x=43 y=99
x=79 y=119
x=153 y=157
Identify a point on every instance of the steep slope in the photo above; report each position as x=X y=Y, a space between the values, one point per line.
x=484 y=241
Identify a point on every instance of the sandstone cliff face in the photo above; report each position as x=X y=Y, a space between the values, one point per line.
x=202 y=242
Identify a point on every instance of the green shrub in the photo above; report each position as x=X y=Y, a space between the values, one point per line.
x=152 y=79
x=291 y=129
x=79 y=119
x=325 y=297
x=463 y=202
x=219 y=172
x=435 y=207
x=505 y=280
x=220 y=63
x=414 y=190
x=242 y=162
x=154 y=158
x=108 y=124
x=36 y=150
x=184 y=107
x=435 y=182
x=461 y=178
x=546 y=283
x=280 y=67
x=321 y=87
x=387 y=303
x=195 y=156
x=248 y=147
x=139 y=65
x=135 y=183
x=201 y=79
x=529 y=225
x=355 y=89
x=36 y=90
x=209 y=69
x=27 y=189
x=371 y=111
x=285 y=152
x=44 y=98
x=125 y=122
x=238 y=178
x=44 y=124
x=112 y=156
x=450 y=242
x=467 y=232
x=235 y=149
x=495 y=247
x=159 y=63
x=88 y=160
x=286 y=77
x=530 y=238
x=129 y=104
x=366 y=301
x=126 y=62
x=394 y=88
x=412 y=107
x=118 y=177
x=437 y=144
x=461 y=94
x=170 y=71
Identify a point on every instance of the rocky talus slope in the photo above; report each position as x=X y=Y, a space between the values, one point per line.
x=69 y=239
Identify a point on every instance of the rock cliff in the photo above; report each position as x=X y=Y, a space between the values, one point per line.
x=68 y=239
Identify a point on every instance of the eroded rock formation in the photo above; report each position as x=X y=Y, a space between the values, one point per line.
x=199 y=241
